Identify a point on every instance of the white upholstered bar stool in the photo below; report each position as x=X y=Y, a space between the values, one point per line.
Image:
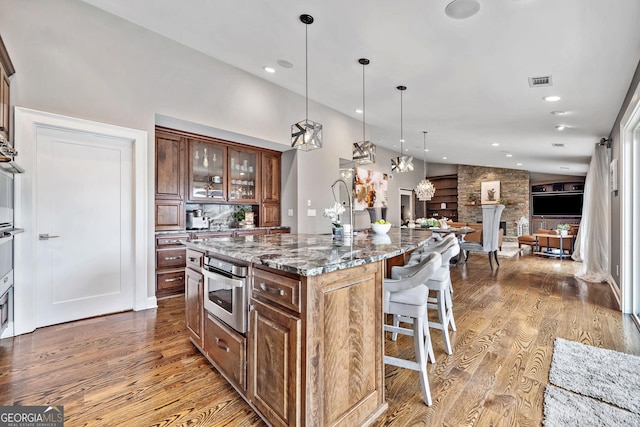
x=440 y=284
x=406 y=295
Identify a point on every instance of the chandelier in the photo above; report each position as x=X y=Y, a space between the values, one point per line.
x=425 y=189
x=401 y=163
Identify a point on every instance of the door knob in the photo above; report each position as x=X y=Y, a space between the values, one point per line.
x=46 y=236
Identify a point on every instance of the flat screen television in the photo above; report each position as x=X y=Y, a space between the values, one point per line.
x=550 y=204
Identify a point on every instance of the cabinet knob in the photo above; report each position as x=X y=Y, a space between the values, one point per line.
x=271 y=290
x=221 y=344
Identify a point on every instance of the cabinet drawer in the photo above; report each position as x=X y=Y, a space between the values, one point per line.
x=194 y=259
x=170 y=280
x=171 y=258
x=171 y=240
x=227 y=349
x=4 y=310
x=282 y=290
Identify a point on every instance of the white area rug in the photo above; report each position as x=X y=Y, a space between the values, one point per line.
x=563 y=408
x=607 y=375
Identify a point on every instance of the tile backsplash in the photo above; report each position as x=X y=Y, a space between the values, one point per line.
x=220 y=216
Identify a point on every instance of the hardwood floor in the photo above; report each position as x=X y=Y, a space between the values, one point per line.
x=139 y=369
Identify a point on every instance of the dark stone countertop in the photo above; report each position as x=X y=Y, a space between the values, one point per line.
x=314 y=254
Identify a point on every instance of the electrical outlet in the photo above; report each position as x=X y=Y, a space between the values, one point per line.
x=290 y=212
x=308 y=202
x=311 y=212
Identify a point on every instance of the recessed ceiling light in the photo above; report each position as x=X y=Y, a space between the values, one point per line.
x=561 y=127
x=284 y=63
x=552 y=98
x=358 y=111
x=269 y=69
x=444 y=158
x=509 y=155
x=518 y=164
x=462 y=9
x=402 y=140
x=495 y=144
x=559 y=113
x=426 y=149
x=564 y=168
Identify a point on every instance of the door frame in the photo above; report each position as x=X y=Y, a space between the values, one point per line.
x=26 y=123
x=629 y=179
x=409 y=193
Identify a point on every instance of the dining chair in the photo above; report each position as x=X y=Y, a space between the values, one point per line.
x=406 y=295
x=490 y=228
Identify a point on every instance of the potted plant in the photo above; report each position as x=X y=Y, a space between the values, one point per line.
x=473 y=198
x=564 y=229
x=333 y=213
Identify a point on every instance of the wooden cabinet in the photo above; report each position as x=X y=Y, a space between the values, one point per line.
x=169 y=182
x=244 y=173
x=207 y=171
x=6 y=71
x=445 y=200
x=193 y=297
x=170 y=264
x=271 y=177
x=227 y=351
x=305 y=336
x=274 y=364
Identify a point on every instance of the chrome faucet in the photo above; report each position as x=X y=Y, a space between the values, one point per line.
x=350 y=194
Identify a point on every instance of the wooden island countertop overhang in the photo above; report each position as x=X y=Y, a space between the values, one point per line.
x=315 y=345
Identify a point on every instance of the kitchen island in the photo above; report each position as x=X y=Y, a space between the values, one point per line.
x=315 y=343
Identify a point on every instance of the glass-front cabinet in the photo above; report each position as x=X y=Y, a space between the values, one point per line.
x=207 y=171
x=222 y=174
x=243 y=173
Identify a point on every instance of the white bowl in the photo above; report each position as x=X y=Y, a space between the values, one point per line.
x=380 y=228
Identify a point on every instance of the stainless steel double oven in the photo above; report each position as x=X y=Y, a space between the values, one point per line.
x=7 y=231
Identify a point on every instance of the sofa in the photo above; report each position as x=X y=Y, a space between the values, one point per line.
x=549 y=242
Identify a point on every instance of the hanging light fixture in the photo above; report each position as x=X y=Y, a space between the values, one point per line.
x=306 y=135
x=425 y=189
x=401 y=163
x=364 y=152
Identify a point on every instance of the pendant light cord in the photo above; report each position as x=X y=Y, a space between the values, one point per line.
x=424 y=150
x=306 y=72
x=363 y=111
x=401 y=135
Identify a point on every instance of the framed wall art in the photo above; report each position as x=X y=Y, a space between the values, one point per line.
x=490 y=192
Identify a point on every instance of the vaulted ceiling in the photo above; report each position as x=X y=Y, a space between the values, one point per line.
x=467 y=79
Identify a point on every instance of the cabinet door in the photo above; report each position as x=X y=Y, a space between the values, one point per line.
x=243 y=176
x=169 y=167
x=193 y=298
x=207 y=169
x=170 y=215
x=270 y=214
x=271 y=177
x=274 y=364
x=4 y=103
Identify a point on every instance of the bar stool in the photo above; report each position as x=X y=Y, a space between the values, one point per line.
x=405 y=295
x=440 y=284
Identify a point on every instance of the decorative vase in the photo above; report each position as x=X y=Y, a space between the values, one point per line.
x=337 y=232
x=564 y=233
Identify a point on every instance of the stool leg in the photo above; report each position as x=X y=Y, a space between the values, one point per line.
x=396 y=323
x=449 y=306
x=442 y=317
x=418 y=340
x=427 y=340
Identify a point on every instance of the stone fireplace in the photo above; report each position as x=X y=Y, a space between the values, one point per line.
x=514 y=189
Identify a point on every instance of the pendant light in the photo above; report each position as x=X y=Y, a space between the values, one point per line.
x=306 y=135
x=401 y=163
x=364 y=152
x=425 y=189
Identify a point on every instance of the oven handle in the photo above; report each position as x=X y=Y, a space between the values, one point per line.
x=237 y=283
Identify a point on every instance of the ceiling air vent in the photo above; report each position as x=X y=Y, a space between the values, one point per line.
x=557 y=145
x=540 y=81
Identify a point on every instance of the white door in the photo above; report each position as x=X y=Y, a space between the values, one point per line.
x=84 y=214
